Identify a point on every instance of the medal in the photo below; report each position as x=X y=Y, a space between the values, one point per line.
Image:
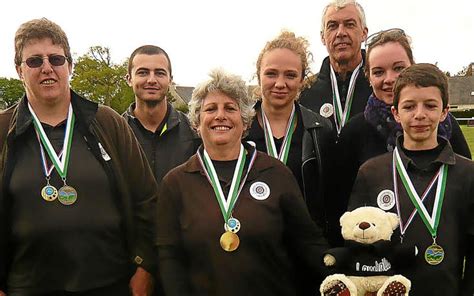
x=232 y=225
x=342 y=115
x=49 y=193
x=270 y=142
x=67 y=195
x=229 y=241
x=434 y=254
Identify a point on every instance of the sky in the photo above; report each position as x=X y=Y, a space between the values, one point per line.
x=205 y=34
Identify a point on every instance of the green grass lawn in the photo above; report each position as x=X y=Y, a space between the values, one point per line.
x=469 y=135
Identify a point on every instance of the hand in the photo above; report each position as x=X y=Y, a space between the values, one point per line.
x=141 y=283
x=329 y=260
x=2 y=294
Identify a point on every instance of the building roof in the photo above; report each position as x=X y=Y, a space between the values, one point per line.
x=185 y=92
x=461 y=90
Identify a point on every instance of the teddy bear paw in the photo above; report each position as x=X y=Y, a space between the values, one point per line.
x=395 y=288
x=336 y=288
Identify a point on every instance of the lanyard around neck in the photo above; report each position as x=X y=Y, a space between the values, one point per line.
x=431 y=221
x=60 y=162
x=227 y=204
x=270 y=142
x=341 y=115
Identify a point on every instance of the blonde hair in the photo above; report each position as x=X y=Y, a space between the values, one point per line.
x=298 y=45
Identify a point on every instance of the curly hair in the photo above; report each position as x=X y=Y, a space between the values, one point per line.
x=298 y=45
x=232 y=86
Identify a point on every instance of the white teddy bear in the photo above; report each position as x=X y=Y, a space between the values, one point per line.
x=366 y=264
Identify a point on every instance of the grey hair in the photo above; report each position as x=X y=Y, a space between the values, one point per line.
x=340 y=4
x=232 y=86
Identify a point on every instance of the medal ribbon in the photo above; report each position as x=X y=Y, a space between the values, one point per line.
x=60 y=162
x=238 y=180
x=270 y=142
x=431 y=222
x=403 y=226
x=341 y=115
x=47 y=169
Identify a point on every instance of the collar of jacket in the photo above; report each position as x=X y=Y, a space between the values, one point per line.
x=324 y=72
x=446 y=156
x=84 y=110
x=309 y=118
x=172 y=118
x=194 y=166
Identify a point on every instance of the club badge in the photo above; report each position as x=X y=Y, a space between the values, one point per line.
x=49 y=193
x=232 y=225
x=326 y=110
x=259 y=191
x=386 y=199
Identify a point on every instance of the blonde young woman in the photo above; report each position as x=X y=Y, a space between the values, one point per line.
x=284 y=129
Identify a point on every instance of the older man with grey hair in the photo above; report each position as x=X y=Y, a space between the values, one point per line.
x=340 y=90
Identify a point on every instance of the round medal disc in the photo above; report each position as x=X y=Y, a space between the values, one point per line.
x=49 y=193
x=229 y=241
x=434 y=254
x=67 y=195
x=232 y=225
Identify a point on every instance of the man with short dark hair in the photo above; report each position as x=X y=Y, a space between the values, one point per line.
x=341 y=90
x=163 y=132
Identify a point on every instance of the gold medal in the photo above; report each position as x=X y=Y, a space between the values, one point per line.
x=434 y=254
x=67 y=195
x=229 y=241
x=49 y=193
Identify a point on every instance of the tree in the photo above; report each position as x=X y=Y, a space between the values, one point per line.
x=11 y=90
x=97 y=78
x=466 y=71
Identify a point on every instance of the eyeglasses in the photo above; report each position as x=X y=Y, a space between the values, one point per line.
x=37 y=61
x=376 y=37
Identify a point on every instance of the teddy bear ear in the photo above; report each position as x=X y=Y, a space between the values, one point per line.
x=394 y=221
x=343 y=217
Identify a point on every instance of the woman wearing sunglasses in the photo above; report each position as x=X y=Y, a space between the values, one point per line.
x=76 y=194
x=374 y=132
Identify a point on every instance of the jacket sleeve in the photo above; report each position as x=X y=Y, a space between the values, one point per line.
x=135 y=182
x=467 y=285
x=305 y=237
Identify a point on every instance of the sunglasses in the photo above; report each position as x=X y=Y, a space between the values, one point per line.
x=37 y=61
x=374 y=38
